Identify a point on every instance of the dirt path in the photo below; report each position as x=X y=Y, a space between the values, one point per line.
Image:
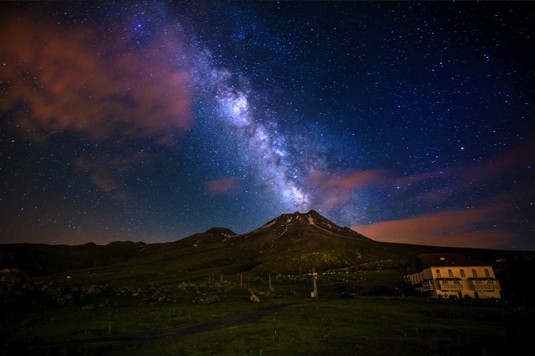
x=99 y=345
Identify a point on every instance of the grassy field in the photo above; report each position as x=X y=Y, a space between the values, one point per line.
x=208 y=316
x=194 y=297
x=367 y=326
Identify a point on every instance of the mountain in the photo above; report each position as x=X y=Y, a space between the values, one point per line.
x=41 y=259
x=215 y=235
x=288 y=244
x=298 y=242
x=310 y=223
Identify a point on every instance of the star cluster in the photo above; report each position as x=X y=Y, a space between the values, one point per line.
x=409 y=122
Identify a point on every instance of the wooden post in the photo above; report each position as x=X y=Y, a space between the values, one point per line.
x=241 y=280
x=221 y=278
x=315 y=286
x=270 y=288
x=314 y=278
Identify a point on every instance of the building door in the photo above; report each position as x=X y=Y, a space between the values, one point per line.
x=476 y=294
x=459 y=295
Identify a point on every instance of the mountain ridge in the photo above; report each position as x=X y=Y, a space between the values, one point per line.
x=289 y=243
x=312 y=218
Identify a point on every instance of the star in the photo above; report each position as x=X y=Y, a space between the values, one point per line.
x=152 y=121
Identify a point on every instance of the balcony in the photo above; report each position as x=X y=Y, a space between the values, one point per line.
x=485 y=284
x=449 y=284
x=426 y=287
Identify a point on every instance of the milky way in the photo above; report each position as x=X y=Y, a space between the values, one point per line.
x=148 y=121
x=261 y=148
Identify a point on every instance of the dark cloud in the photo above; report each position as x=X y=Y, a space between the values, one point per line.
x=106 y=170
x=222 y=186
x=509 y=166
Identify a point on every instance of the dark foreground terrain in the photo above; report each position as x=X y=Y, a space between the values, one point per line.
x=361 y=313
x=221 y=293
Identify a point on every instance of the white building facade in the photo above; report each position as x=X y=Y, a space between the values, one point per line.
x=454 y=276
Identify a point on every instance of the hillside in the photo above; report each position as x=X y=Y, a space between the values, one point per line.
x=289 y=244
x=40 y=259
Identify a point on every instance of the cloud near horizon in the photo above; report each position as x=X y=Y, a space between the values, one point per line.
x=465 y=219
x=456 y=228
x=55 y=78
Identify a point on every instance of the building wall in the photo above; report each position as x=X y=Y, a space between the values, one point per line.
x=457 y=272
x=457 y=282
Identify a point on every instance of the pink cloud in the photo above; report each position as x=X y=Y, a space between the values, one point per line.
x=352 y=180
x=333 y=189
x=451 y=228
x=222 y=186
x=57 y=78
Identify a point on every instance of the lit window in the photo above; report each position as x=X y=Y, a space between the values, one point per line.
x=474 y=273
x=450 y=273
x=462 y=273
x=438 y=273
x=487 y=273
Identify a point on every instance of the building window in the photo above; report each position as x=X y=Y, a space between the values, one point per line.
x=450 y=273
x=438 y=273
x=462 y=273
x=487 y=273
x=474 y=273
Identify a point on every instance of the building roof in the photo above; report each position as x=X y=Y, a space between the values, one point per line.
x=445 y=260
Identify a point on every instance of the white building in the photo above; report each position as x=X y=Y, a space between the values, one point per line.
x=454 y=275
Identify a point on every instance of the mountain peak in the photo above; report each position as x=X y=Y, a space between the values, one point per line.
x=308 y=223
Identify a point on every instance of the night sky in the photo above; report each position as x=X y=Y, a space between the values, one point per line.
x=409 y=122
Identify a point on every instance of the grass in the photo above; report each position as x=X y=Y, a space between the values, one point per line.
x=284 y=323
x=171 y=301
x=367 y=326
x=118 y=318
